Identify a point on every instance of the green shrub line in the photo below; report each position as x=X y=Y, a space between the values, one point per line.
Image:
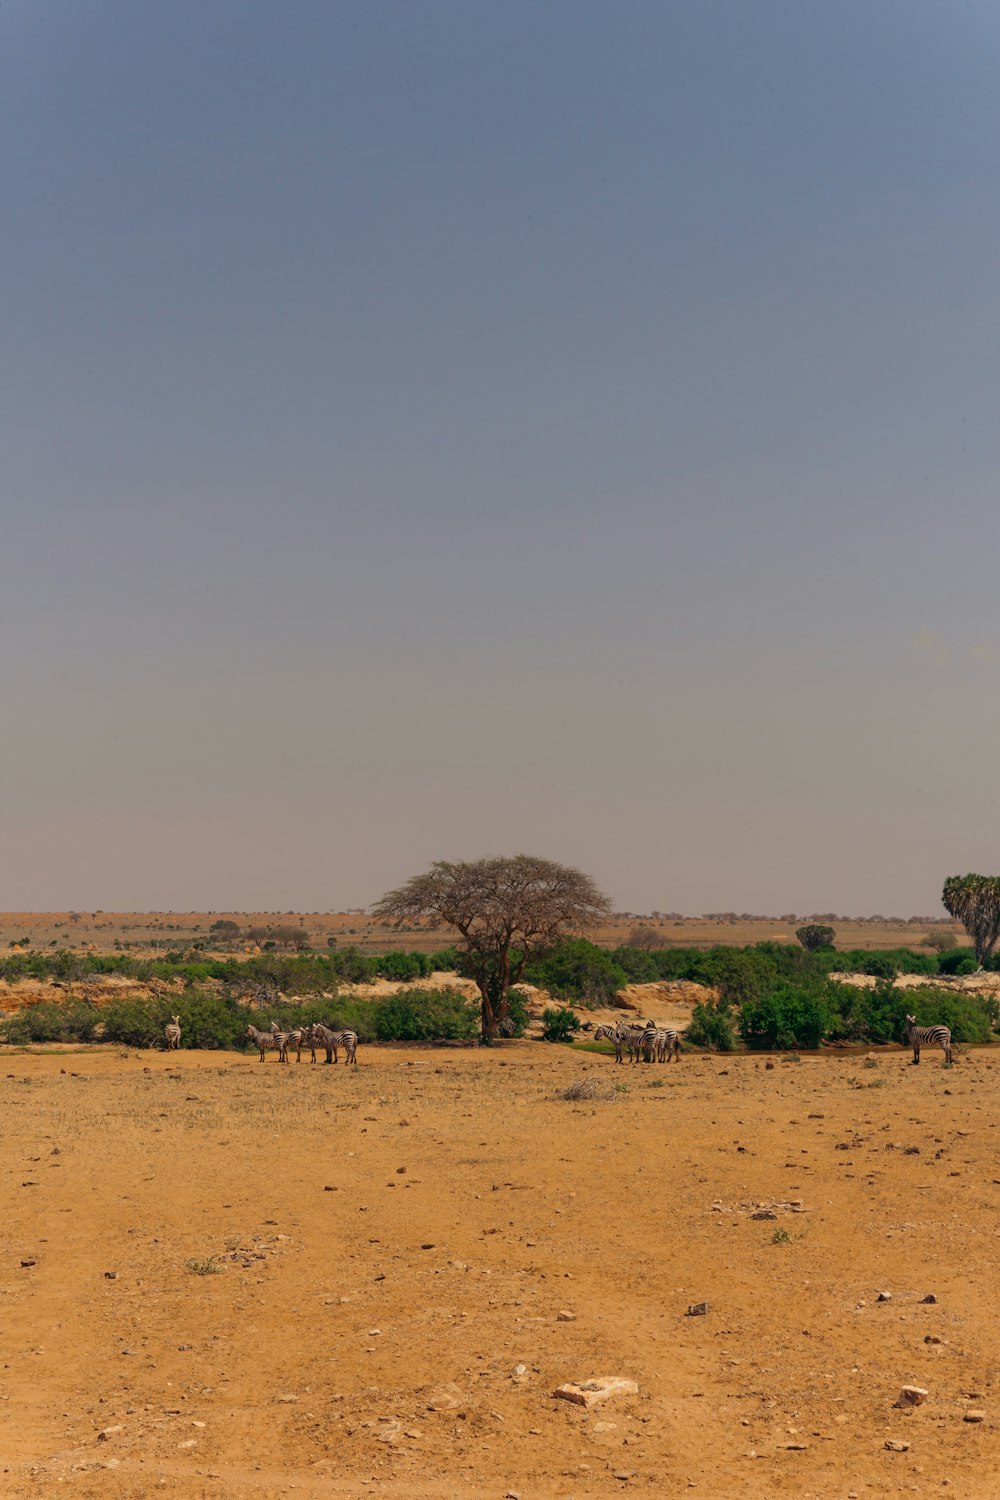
x=219 y=1021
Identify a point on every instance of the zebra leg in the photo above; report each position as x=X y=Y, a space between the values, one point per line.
x=916 y=1054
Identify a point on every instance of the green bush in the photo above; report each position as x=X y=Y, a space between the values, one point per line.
x=951 y=960
x=712 y=1026
x=577 y=970
x=51 y=1021
x=880 y=966
x=424 y=1016
x=559 y=1025
x=517 y=1011
x=970 y=1018
x=741 y=975
x=790 y=1016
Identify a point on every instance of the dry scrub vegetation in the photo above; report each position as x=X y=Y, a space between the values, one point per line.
x=408 y=1259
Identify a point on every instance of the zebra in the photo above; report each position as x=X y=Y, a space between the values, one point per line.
x=266 y=1039
x=172 y=1032
x=668 y=1045
x=330 y=1038
x=621 y=1036
x=298 y=1038
x=927 y=1036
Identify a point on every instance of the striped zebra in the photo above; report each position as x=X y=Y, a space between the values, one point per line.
x=623 y=1037
x=172 y=1032
x=330 y=1038
x=266 y=1039
x=298 y=1038
x=927 y=1036
x=659 y=1043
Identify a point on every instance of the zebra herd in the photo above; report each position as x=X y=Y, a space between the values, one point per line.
x=318 y=1035
x=650 y=1042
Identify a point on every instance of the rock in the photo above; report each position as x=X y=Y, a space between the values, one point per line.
x=111 y=1275
x=286 y=1400
x=912 y=1395
x=884 y=1297
x=768 y=1067
x=764 y=1213
x=932 y=1338
x=109 y=1432
x=929 y=1298
x=29 y=1261
x=520 y=1370
x=974 y=1416
x=589 y=1392
x=895 y=1445
x=446 y=1399
x=697 y=1310
x=512 y=1495
x=565 y=1316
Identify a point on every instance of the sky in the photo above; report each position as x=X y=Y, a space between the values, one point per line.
x=464 y=428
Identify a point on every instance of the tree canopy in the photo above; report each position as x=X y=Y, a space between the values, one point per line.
x=975 y=901
x=505 y=910
x=815 y=935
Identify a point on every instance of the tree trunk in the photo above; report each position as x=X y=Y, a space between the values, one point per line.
x=493 y=1007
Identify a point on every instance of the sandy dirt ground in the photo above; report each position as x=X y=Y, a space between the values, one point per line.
x=221 y=1278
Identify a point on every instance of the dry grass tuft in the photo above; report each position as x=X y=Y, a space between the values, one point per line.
x=587 y=1088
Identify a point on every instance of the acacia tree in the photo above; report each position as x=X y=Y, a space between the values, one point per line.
x=975 y=901
x=815 y=935
x=505 y=910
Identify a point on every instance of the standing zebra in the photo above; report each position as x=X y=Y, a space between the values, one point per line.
x=172 y=1032
x=621 y=1035
x=329 y=1038
x=927 y=1036
x=266 y=1039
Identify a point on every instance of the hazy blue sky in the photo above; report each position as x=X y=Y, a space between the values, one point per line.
x=446 y=428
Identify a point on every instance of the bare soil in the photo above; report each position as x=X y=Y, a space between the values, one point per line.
x=259 y=1280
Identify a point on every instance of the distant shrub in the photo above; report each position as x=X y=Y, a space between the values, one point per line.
x=51 y=1021
x=790 y=1016
x=952 y=959
x=424 y=1016
x=517 y=1011
x=881 y=966
x=559 y=1025
x=815 y=935
x=577 y=970
x=969 y=1017
x=712 y=1026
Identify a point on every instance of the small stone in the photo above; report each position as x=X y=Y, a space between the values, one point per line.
x=764 y=1213
x=974 y=1416
x=428 y=1246
x=929 y=1298
x=895 y=1445
x=512 y=1495
x=624 y=1474
x=589 y=1392
x=287 y=1400
x=912 y=1395
x=565 y=1316
x=520 y=1369
x=932 y=1338
x=111 y=1275
x=330 y=1189
x=697 y=1310
x=884 y=1297
x=769 y=1067
x=109 y=1432
x=191 y=1443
